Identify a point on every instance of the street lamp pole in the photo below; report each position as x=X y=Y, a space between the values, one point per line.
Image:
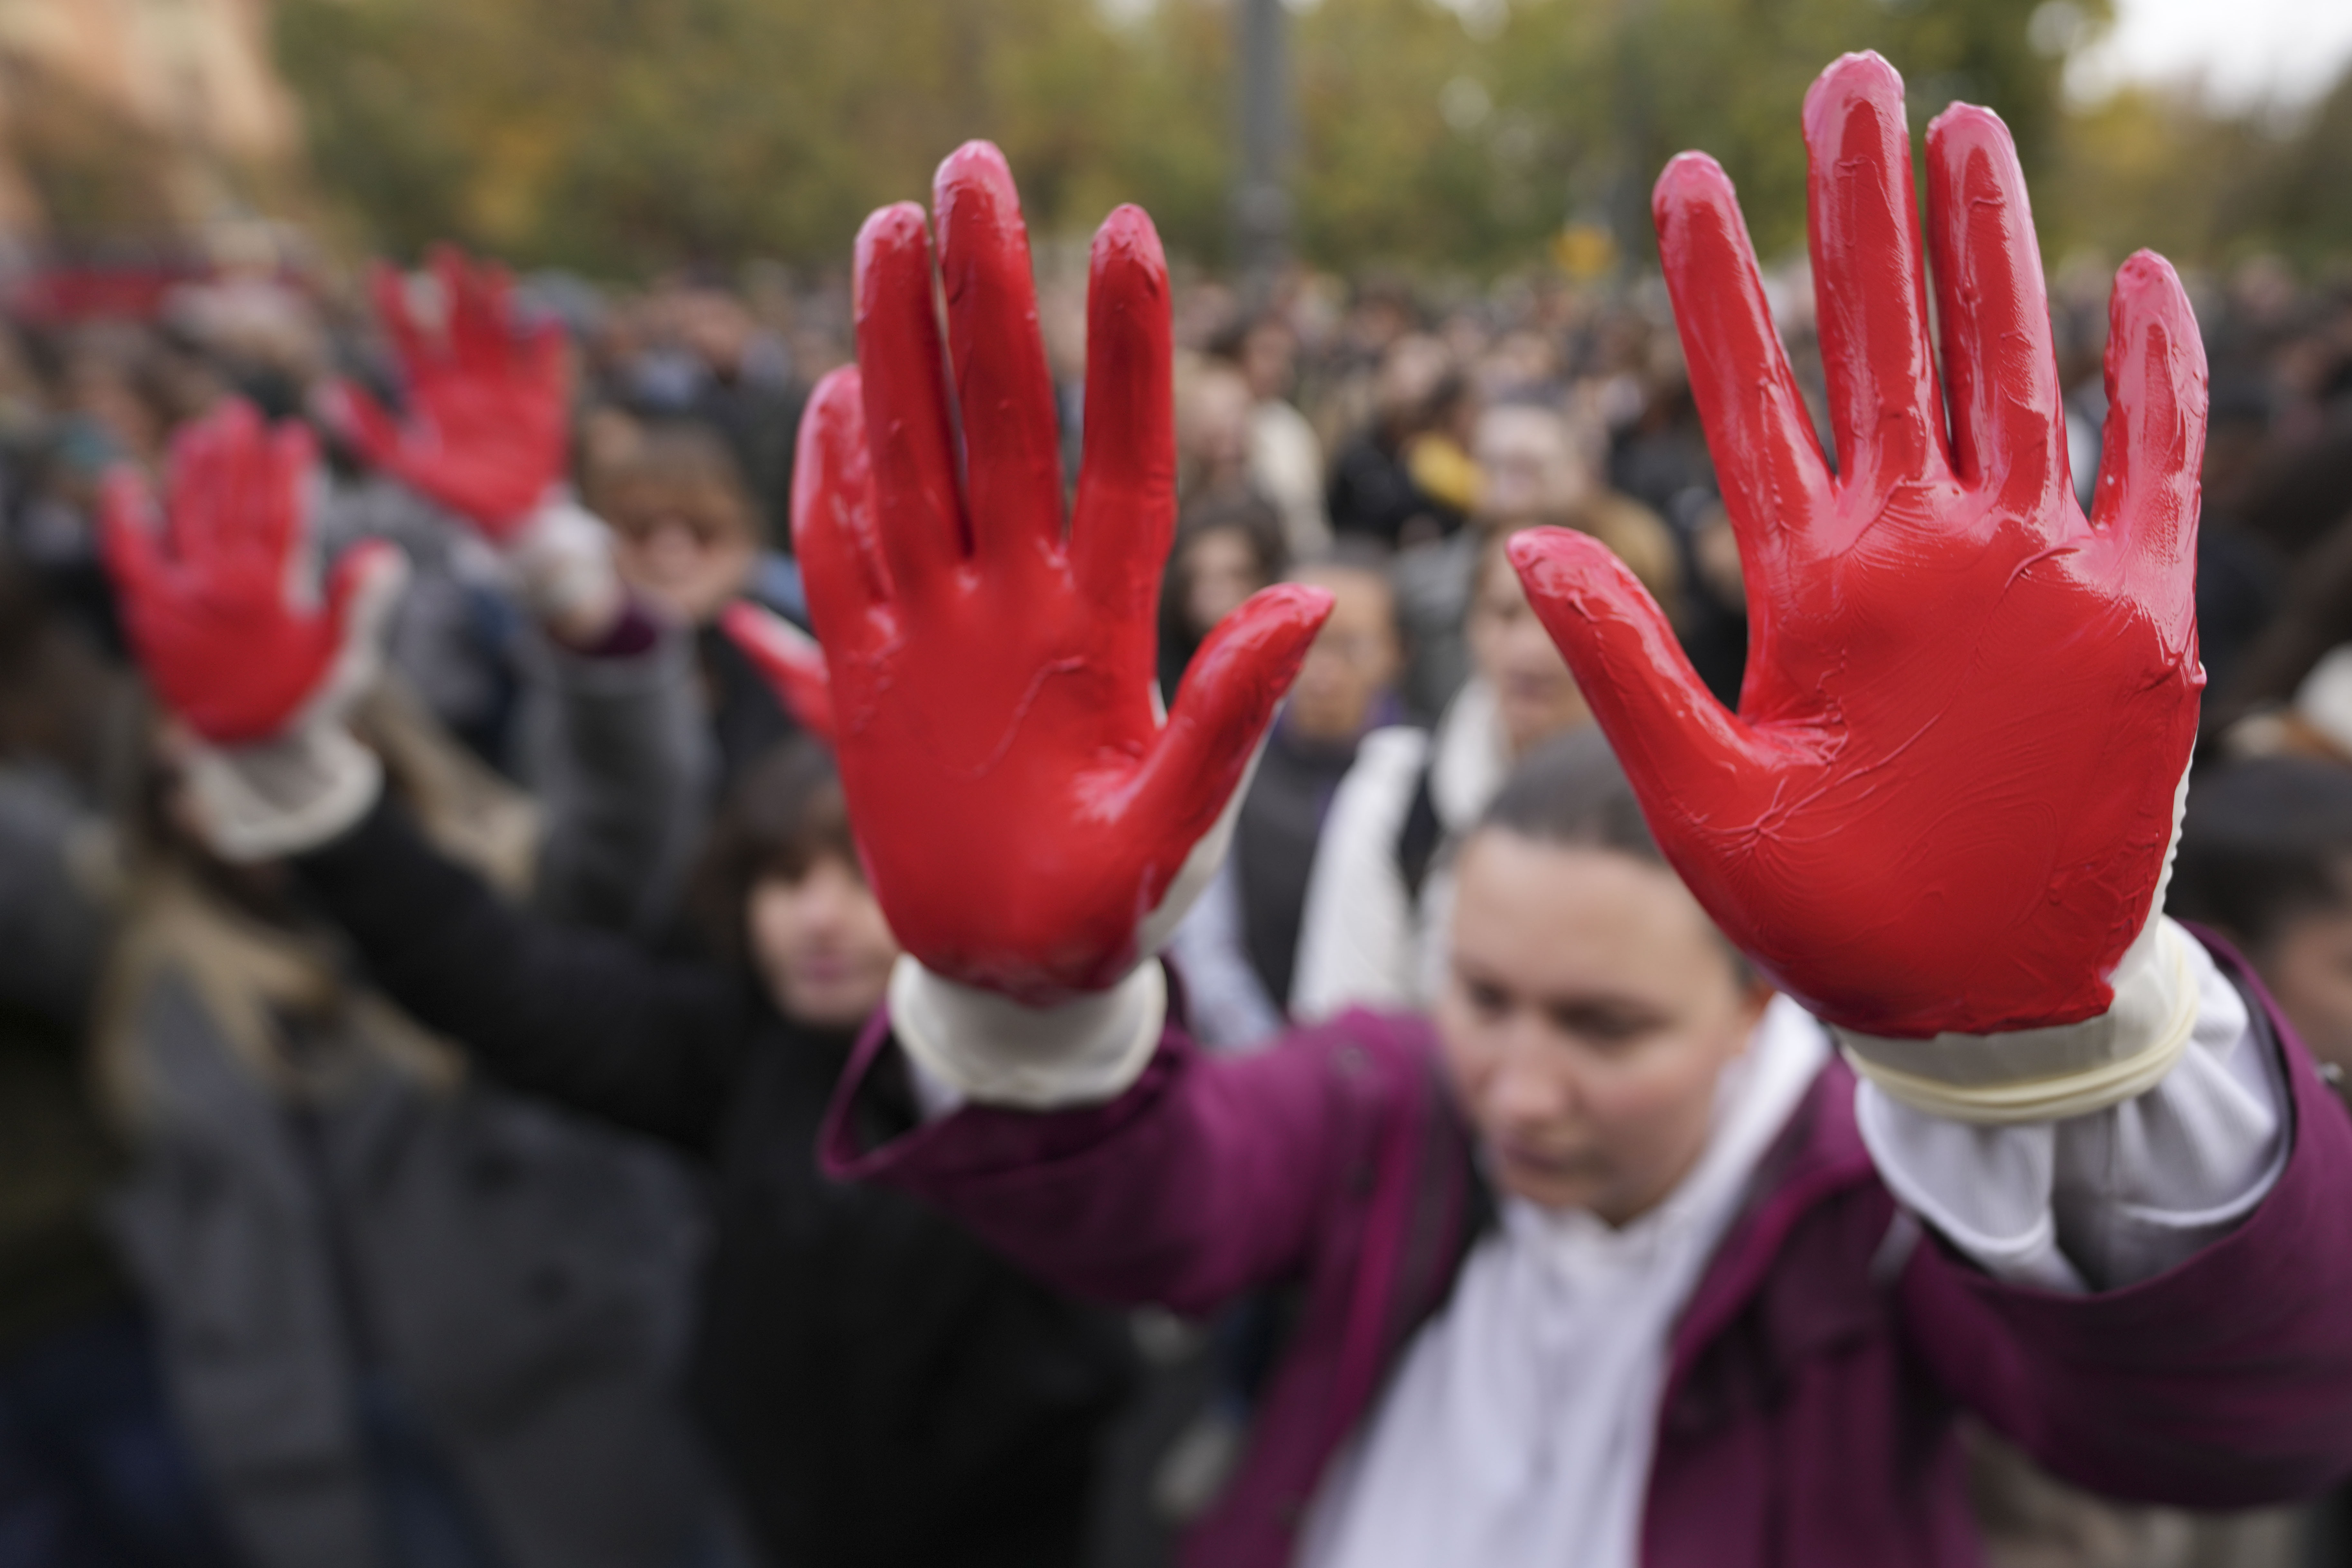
x=1261 y=205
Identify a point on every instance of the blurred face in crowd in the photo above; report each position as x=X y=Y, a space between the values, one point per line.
x=1353 y=660
x=1529 y=468
x=1221 y=568
x=820 y=942
x=1270 y=359
x=715 y=327
x=1409 y=375
x=1514 y=654
x=684 y=543
x=2308 y=967
x=1589 y=1009
x=1213 y=425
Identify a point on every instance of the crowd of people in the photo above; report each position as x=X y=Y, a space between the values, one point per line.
x=444 y=1192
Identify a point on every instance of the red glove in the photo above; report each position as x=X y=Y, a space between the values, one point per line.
x=790 y=659
x=487 y=399
x=1020 y=806
x=1945 y=801
x=218 y=599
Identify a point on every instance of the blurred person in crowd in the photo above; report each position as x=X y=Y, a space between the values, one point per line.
x=2265 y=860
x=879 y=1388
x=1532 y=471
x=1238 y=950
x=1226 y=548
x=1286 y=457
x=95 y=1471
x=706 y=357
x=465 y=1311
x=688 y=537
x=1376 y=488
x=1372 y=933
x=1213 y=401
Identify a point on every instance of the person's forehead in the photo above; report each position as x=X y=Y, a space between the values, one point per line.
x=1560 y=916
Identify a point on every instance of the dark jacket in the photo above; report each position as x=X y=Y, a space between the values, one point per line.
x=1816 y=1372
x=379 y=1286
x=55 y=1158
x=882 y=1388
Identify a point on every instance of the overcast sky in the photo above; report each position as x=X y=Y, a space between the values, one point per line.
x=2245 y=51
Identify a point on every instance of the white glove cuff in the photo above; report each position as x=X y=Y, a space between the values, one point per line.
x=2049 y=1074
x=282 y=796
x=562 y=562
x=994 y=1052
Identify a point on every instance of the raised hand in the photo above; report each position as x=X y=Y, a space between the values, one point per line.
x=221 y=593
x=1021 y=809
x=485 y=435
x=1945 y=800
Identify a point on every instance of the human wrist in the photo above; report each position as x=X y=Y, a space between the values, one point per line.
x=559 y=559
x=283 y=795
x=993 y=1050
x=2049 y=1074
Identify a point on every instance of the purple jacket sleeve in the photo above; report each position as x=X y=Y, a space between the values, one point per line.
x=2224 y=1383
x=1209 y=1176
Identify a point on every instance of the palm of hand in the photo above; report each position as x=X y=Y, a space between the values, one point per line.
x=486 y=434
x=235 y=637
x=1948 y=795
x=1020 y=807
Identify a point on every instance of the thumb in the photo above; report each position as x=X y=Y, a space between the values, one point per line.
x=1665 y=726
x=358 y=418
x=790 y=659
x=362 y=591
x=1225 y=704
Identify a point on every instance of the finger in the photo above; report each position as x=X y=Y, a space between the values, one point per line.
x=1868 y=284
x=1013 y=463
x=361 y=594
x=790 y=661
x=2154 y=448
x=283 y=532
x=209 y=488
x=1222 y=705
x=1674 y=739
x=834 y=523
x=1770 y=468
x=1126 y=510
x=480 y=326
x=2009 y=420
x=389 y=286
x=245 y=534
x=902 y=370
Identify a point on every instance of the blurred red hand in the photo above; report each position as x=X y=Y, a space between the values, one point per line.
x=1945 y=799
x=487 y=402
x=1020 y=806
x=221 y=610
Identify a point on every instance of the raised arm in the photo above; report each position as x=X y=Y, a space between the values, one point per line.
x=1943 y=813
x=222 y=596
x=1031 y=825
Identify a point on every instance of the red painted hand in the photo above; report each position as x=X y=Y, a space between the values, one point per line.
x=226 y=620
x=485 y=432
x=1945 y=799
x=1020 y=806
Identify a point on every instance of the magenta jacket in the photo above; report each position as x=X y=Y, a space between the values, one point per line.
x=1808 y=1415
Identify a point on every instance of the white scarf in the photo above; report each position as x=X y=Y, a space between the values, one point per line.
x=1517 y=1430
